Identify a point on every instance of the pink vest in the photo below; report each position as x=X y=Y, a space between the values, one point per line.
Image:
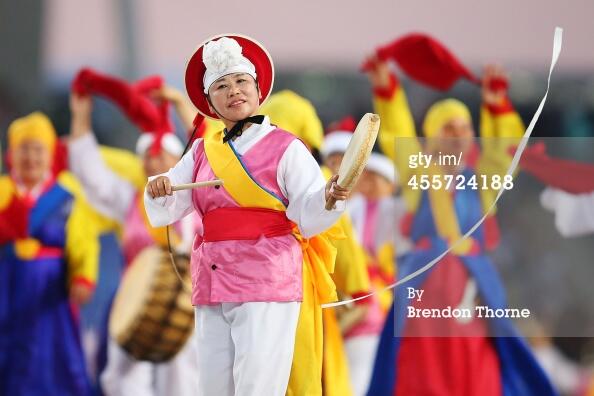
x=266 y=269
x=136 y=236
x=373 y=322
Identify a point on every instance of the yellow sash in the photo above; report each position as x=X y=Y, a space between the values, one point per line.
x=318 y=263
x=239 y=184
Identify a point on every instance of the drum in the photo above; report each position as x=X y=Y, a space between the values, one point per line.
x=357 y=153
x=152 y=315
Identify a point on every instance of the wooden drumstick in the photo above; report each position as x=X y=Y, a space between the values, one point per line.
x=330 y=203
x=189 y=186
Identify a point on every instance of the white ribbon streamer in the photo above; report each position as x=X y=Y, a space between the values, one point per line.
x=557 y=43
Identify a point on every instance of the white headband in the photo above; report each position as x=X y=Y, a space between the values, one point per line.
x=223 y=57
x=169 y=143
x=381 y=164
x=336 y=142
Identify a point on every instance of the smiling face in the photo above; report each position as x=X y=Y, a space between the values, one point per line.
x=31 y=161
x=234 y=97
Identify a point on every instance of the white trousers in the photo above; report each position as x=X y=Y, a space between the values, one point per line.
x=361 y=351
x=126 y=376
x=246 y=349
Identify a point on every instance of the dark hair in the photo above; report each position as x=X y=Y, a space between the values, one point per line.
x=317 y=155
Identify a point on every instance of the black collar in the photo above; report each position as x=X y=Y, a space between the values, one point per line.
x=237 y=129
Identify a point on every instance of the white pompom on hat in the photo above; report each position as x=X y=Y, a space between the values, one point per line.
x=222 y=57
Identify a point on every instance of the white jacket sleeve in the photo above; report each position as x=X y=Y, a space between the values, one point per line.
x=109 y=194
x=574 y=213
x=301 y=181
x=166 y=210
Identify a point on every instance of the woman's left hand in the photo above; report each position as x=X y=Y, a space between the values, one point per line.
x=335 y=191
x=167 y=93
x=494 y=85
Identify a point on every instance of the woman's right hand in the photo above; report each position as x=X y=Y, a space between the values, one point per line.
x=159 y=187
x=81 y=104
x=81 y=107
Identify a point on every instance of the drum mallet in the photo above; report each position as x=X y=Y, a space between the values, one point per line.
x=216 y=183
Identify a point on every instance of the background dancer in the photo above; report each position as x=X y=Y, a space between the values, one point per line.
x=464 y=360
x=120 y=200
x=48 y=261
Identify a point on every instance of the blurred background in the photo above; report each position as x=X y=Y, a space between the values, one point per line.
x=318 y=48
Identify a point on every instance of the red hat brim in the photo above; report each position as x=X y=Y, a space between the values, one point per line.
x=251 y=49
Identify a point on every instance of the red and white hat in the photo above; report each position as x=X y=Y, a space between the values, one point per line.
x=222 y=55
x=338 y=136
x=167 y=141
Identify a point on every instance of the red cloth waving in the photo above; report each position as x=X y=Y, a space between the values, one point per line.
x=570 y=176
x=426 y=60
x=132 y=99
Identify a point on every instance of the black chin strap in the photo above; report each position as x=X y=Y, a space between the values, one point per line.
x=237 y=129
